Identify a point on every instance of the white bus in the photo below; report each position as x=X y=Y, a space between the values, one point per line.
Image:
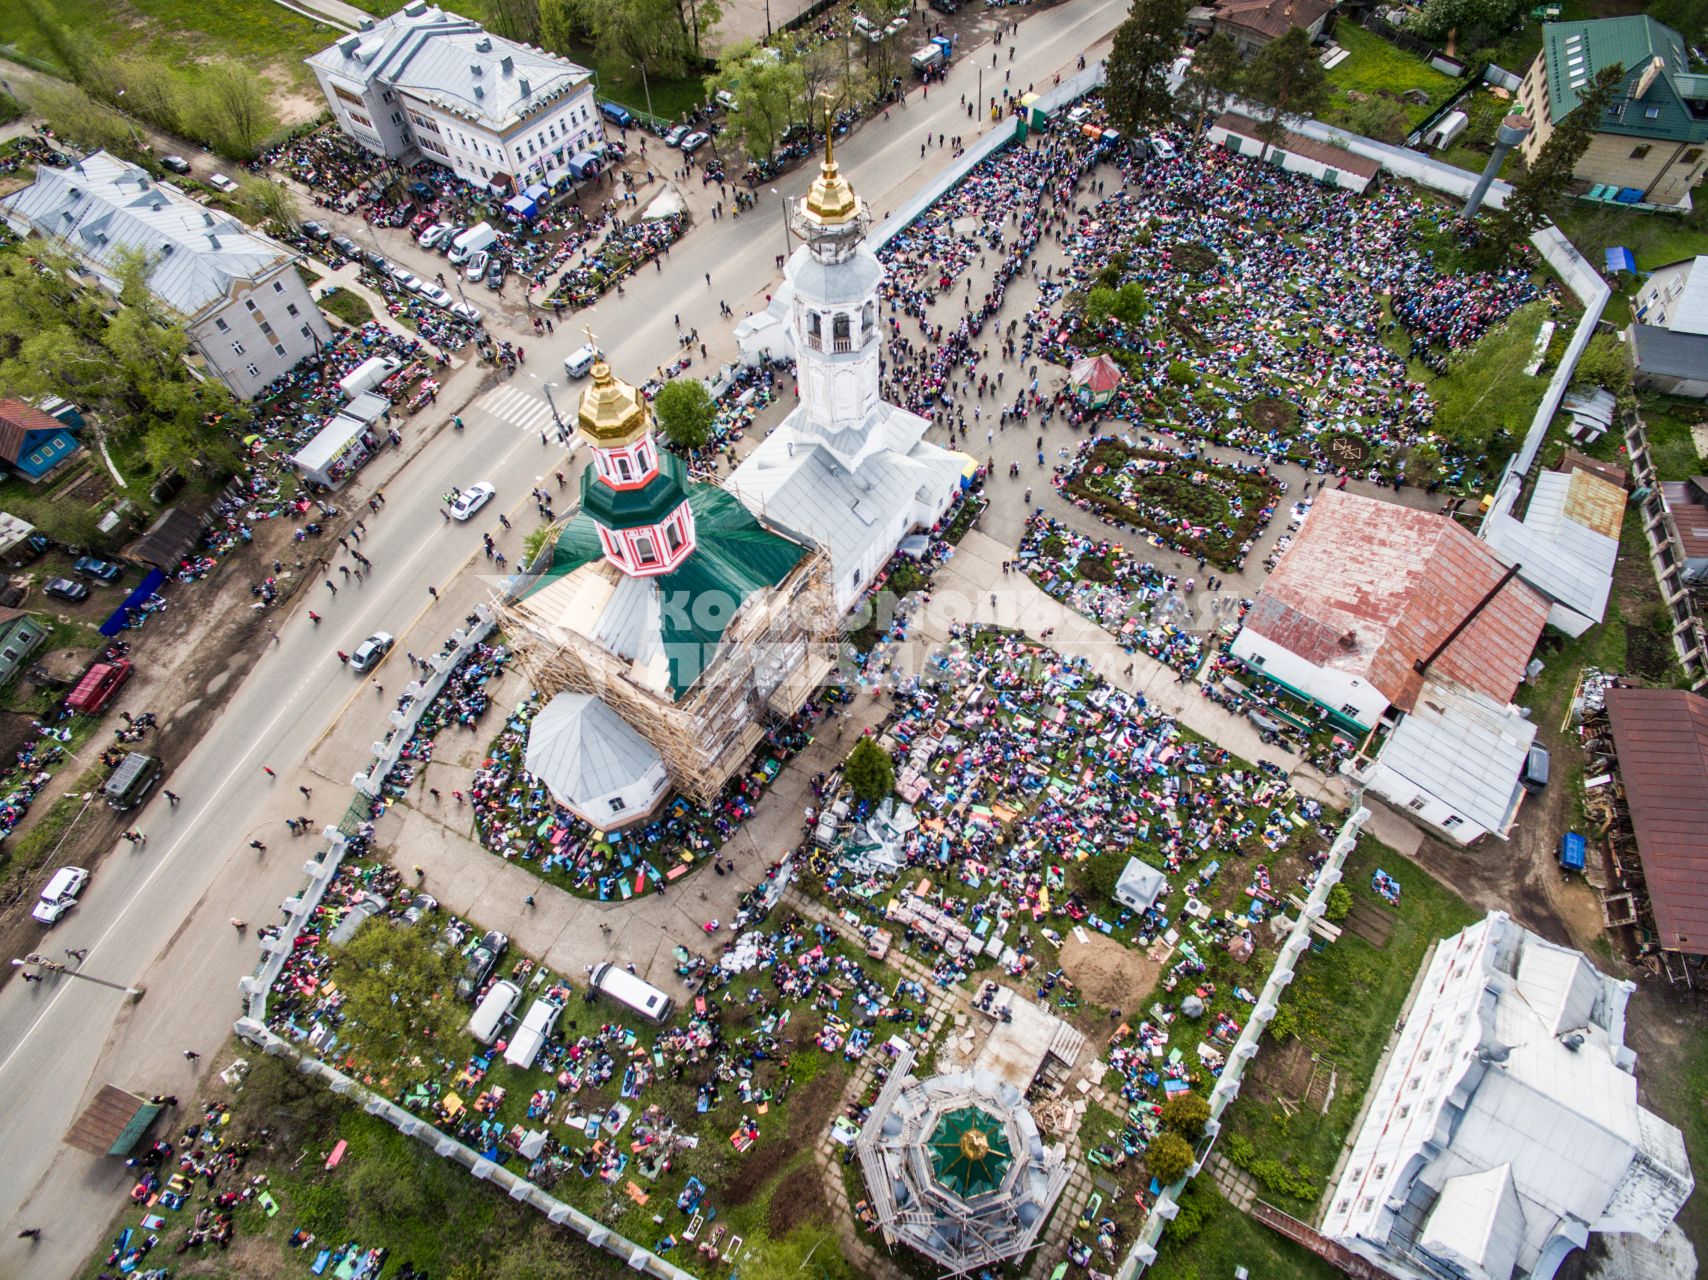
x=626 y=989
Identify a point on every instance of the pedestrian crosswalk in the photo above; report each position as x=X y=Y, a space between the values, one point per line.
x=521 y=406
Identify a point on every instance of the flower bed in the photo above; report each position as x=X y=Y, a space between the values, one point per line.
x=1196 y=506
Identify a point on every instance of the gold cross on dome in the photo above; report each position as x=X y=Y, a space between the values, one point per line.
x=591 y=340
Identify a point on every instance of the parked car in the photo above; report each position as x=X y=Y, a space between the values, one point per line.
x=315 y=231
x=471 y=500
x=364 y=909
x=66 y=589
x=444 y=246
x=369 y=653
x=219 y=182
x=675 y=136
x=437 y=296
x=1164 y=149
x=420 y=907
x=467 y=311
x=421 y=221
x=480 y=964
x=475 y=269
x=694 y=141
x=59 y=895
x=377 y=260
x=496 y=270
x=177 y=164
x=431 y=237
x=725 y=99
x=348 y=247
x=407 y=278
x=105 y=570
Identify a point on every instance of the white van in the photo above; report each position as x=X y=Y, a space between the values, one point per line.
x=642 y=997
x=478 y=237
x=578 y=362
x=531 y=1036
x=499 y=1003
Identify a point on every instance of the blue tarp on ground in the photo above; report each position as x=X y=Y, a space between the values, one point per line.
x=135 y=600
x=1619 y=258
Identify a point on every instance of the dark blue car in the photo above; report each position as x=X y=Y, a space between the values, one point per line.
x=102 y=570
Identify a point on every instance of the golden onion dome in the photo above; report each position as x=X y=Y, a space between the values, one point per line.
x=612 y=412
x=831 y=202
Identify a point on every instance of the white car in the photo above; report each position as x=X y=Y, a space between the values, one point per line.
x=471 y=500
x=437 y=296
x=371 y=650
x=60 y=894
x=467 y=311
x=219 y=182
x=475 y=270
x=1163 y=147
x=435 y=233
x=407 y=278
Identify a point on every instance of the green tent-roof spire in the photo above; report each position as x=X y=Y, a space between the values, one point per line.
x=969 y=1152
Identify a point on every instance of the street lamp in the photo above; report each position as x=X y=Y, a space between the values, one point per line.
x=48 y=964
x=546 y=387
x=645 y=88
x=783 y=206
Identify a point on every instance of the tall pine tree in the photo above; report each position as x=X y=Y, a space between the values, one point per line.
x=1145 y=45
x=1288 y=82
x=1541 y=188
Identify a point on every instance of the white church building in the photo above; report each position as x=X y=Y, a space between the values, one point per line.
x=846 y=469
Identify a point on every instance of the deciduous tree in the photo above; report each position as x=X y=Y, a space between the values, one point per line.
x=1168 y=1157
x=514 y=19
x=231 y=107
x=398 y=994
x=686 y=411
x=765 y=89
x=1145 y=46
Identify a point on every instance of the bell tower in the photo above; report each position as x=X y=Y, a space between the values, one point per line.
x=834 y=317
x=636 y=496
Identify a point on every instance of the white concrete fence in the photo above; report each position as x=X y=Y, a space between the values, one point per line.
x=321 y=870
x=1244 y=1050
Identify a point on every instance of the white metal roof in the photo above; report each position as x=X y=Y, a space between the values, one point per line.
x=454 y=63
x=1690 y=308
x=801 y=486
x=1477 y=1219
x=1464 y=748
x=330 y=441
x=103 y=207
x=1564 y=559
x=584 y=751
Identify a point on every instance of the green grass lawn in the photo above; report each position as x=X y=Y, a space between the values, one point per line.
x=1383 y=74
x=1343 y=1005
x=348 y=307
x=1654 y=239
x=1485 y=400
x=262 y=34
x=1230 y=1239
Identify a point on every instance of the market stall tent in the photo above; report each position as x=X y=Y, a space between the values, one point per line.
x=1140 y=885
x=113 y=1123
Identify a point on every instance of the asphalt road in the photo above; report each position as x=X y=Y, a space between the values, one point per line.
x=159 y=916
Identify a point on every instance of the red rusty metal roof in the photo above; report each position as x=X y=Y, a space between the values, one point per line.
x=1370 y=588
x=1662 y=740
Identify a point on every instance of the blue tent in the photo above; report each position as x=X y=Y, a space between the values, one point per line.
x=522 y=206
x=584 y=164
x=1619 y=259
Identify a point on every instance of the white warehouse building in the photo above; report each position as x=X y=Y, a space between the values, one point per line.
x=1505 y=1128
x=425 y=82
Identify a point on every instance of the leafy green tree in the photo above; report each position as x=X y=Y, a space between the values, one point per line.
x=686 y=411
x=1214 y=76
x=1145 y=45
x=1168 y=1157
x=74 y=115
x=1474 y=22
x=1339 y=904
x=398 y=994
x=1288 y=82
x=514 y=19
x=1541 y=188
x=1186 y=1114
x=765 y=88
x=649 y=33
x=266 y=201
x=231 y=107
x=870 y=771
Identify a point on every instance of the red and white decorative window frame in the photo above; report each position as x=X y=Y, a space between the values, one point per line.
x=651 y=549
x=628 y=466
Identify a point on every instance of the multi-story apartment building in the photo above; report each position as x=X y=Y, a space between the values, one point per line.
x=425 y=82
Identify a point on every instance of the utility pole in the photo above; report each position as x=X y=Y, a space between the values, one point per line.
x=546 y=390
x=645 y=87
x=783 y=206
x=46 y=964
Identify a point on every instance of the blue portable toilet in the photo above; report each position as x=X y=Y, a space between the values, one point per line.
x=1572 y=852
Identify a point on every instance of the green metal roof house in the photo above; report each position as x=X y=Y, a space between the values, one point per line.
x=1649 y=142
